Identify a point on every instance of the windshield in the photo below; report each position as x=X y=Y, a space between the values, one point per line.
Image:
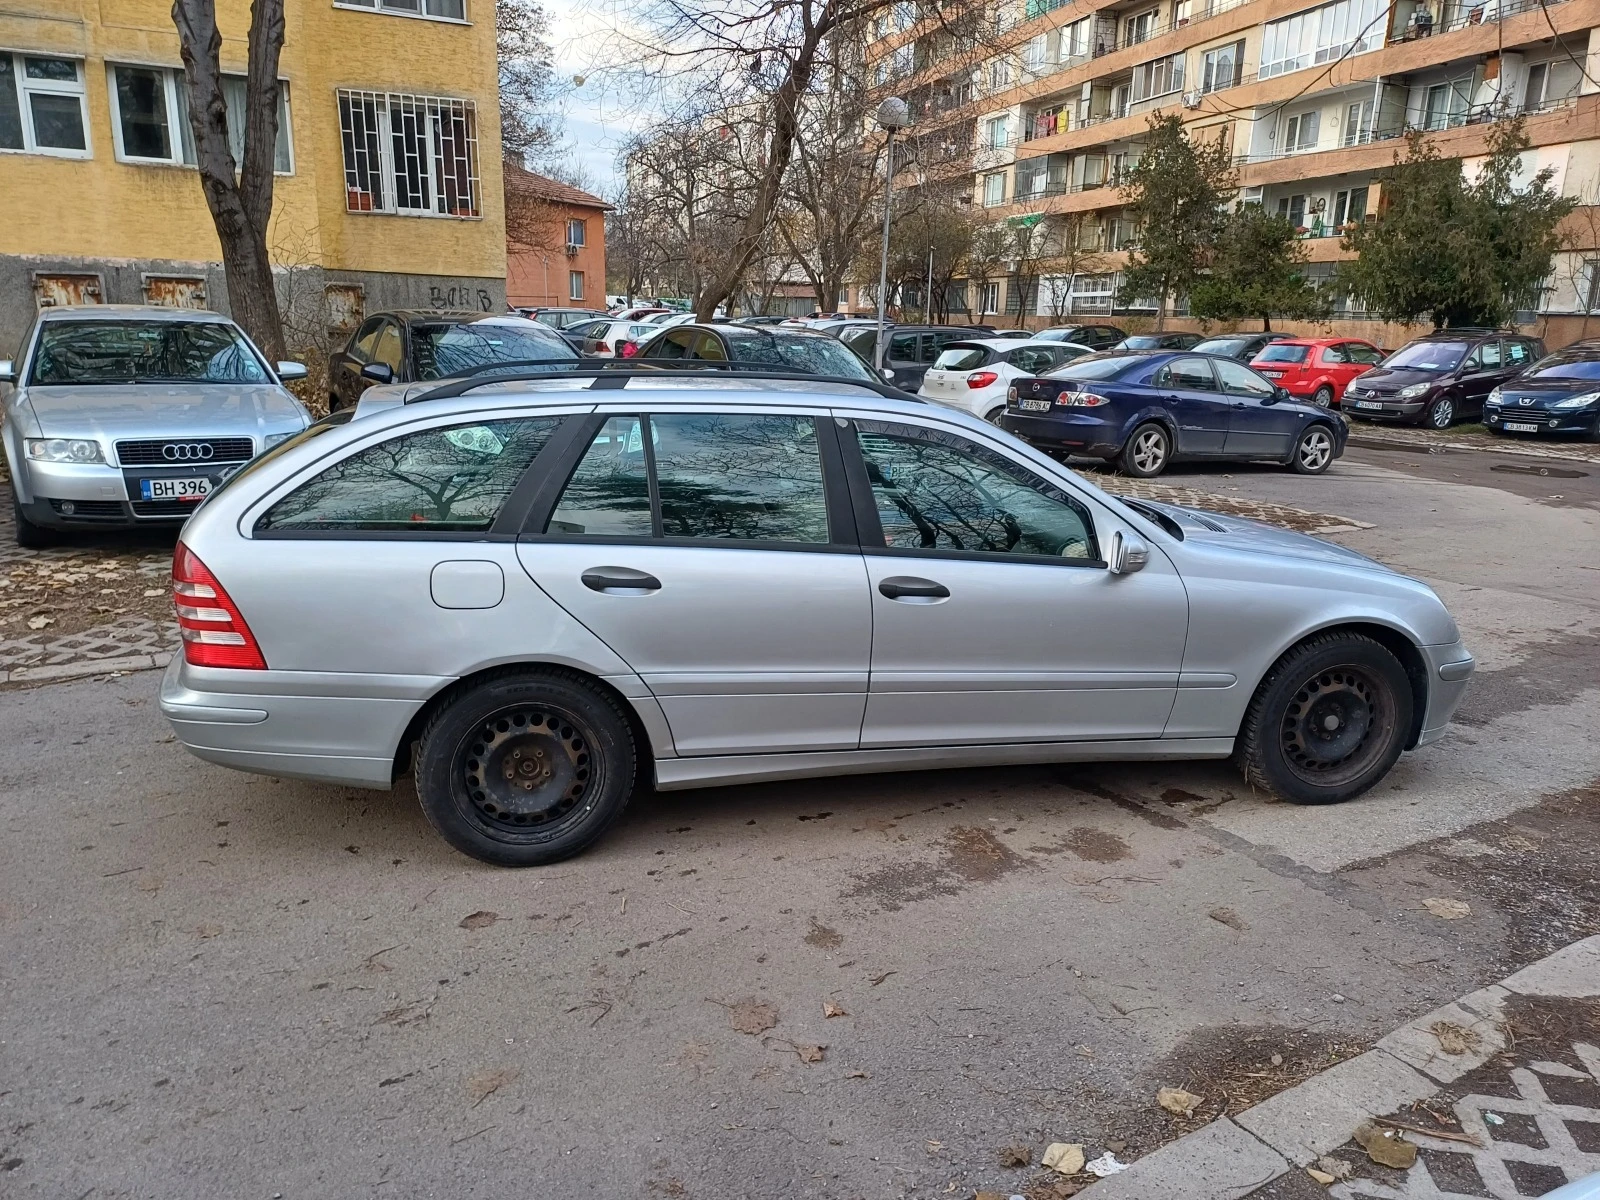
x=92 y=352
x=1582 y=365
x=455 y=349
x=1098 y=366
x=1278 y=352
x=1429 y=356
x=819 y=355
x=961 y=358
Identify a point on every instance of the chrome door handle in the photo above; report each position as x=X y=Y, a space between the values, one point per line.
x=620 y=581
x=913 y=589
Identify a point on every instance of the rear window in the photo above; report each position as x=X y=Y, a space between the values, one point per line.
x=1279 y=353
x=961 y=358
x=1584 y=365
x=819 y=355
x=1098 y=366
x=1142 y=342
x=441 y=350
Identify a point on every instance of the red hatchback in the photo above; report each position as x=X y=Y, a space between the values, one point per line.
x=1316 y=369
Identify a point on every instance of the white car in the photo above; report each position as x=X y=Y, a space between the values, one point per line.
x=606 y=338
x=973 y=375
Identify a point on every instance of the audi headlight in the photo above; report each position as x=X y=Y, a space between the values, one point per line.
x=1582 y=401
x=65 y=450
x=272 y=439
x=1412 y=392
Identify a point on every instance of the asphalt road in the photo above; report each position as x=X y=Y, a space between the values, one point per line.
x=213 y=983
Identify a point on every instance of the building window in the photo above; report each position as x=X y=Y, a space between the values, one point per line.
x=1223 y=67
x=1293 y=210
x=999 y=74
x=150 y=117
x=42 y=106
x=1445 y=104
x=1591 y=298
x=1139 y=28
x=994 y=189
x=1321 y=35
x=1350 y=207
x=1033 y=54
x=577 y=232
x=574 y=285
x=439 y=10
x=1300 y=131
x=1358 y=123
x=1158 y=78
x=989 y=298
x=412 y=155
x=997 y=132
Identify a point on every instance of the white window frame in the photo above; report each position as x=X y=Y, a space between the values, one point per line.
x=1320 y=35
x=1000 y=125
x=989 y=298
x=54 y=87
x=583 y=231
x=180 y=139
x=1294 y=131
x=380 y=6
x=384 y=104
x=575 y=285
x=1001 y=199
x=1138 y=23
x=1211 y=60
x=1158 y=77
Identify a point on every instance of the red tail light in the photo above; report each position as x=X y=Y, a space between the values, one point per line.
x=214 y=632
x=981 y=379
x=603 y=348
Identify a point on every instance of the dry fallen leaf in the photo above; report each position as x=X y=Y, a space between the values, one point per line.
x=751 y=1016
x=1064 y=1158
x=479 y=920
x=833 y=1010
x=1178 y=1101
x=486 y=1083
x=1385 y=1146
x=40 y=622
x=1448 y=910
x=810 y=1054
x=1321 y=1177
x=1226 y=916
x=1336 y=1167
x=1455 y=1039
x=1016 y=1156
x=857 y=1075
x=208 y=931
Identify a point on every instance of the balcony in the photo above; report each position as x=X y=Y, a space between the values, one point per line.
x=1413 y=20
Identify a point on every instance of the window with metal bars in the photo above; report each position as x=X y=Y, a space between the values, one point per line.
x=411 y=155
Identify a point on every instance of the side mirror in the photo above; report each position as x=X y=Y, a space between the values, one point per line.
x=376 y=372
x=8 y=371
x=291 y=371
x=1127 y=553
x=888 y=374
x=1279 y=394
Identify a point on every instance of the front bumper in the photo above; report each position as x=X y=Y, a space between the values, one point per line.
x=1449 y=670
x=1390 y=410
x=1549 y=421
x=1074 y=432
x=88 y=495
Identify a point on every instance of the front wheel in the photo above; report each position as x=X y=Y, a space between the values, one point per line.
x=526 y=768
x=1441 y=414
x=1328 y=721
x=1313 y=453
x=1147 y=451
x=29 y=535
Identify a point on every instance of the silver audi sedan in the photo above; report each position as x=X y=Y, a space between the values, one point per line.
x=540 y=595
x=122 y=415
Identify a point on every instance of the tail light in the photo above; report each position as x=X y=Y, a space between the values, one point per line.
x=214 y=632
x=1081 y=400
x=602 y=348
x=627 y=349
x=981 y=379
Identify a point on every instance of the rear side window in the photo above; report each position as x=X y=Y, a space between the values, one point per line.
x=453 y=479
x=1035 y=360
x=1190 y=374
x=1518 y=353
x=1334 y=354
x=961 y=358
x=1369 y=355
x=1277 y=352
x=907 y=347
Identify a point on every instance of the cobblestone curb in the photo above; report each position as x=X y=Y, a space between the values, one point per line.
x=1230 y=1158
x=1412 y=439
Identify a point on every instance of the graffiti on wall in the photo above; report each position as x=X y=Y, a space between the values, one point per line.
x=463 y=296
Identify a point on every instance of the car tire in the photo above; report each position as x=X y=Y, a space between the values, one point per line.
x=29 y=535
x=1313 y=450
x=1286 y=745
x=526 y=767
x=1147 y=452
x=994 y=414
x=1323 y=397
x=1441 y=414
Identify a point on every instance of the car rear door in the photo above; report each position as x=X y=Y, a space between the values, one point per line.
x=1190 y=393
x=1259 y=426
x=714 y=553
x=994 y=617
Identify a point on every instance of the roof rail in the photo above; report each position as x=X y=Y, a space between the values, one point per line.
x=603 y=373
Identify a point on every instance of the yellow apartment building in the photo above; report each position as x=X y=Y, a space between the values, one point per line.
x=388 y=192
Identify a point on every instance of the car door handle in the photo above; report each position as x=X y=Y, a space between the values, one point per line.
x=912 y=589
x=620 y=581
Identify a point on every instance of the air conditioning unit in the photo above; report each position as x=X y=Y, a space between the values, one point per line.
x=1192 y=99
x=572 y=249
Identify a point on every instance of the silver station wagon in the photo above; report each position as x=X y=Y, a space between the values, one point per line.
x=541 y=595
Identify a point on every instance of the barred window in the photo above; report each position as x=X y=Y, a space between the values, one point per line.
x=412 y=155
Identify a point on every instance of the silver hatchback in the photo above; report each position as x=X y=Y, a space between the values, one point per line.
x=126 y=415
x=541 y=595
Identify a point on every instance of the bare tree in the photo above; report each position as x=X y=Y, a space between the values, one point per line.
x=239 y=194
x=527 y=81
x=1071 y=252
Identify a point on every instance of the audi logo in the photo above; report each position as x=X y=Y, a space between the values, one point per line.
x=187 y=451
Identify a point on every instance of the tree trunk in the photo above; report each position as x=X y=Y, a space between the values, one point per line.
x=238 y=195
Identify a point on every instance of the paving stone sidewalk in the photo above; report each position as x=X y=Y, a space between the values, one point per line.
x=1473 y=438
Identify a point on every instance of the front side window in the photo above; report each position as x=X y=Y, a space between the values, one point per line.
x=411 y=155
x=91 y=352
x=609 y=493
x=42 y=105
x=451 y=480
x=1239 y=380
x=937 y=491
x=1334 y=354
x=1033 y=359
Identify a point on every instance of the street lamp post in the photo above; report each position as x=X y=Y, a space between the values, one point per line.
x=893 y=114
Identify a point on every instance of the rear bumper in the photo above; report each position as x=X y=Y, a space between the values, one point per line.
x=1548 y=422
x=1449 y=671
x=1078 y=433
x=294 y=725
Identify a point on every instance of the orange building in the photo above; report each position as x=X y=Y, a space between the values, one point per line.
x=555 y=243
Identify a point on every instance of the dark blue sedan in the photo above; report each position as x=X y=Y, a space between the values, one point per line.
x=1142 y=410
x=1559 y=394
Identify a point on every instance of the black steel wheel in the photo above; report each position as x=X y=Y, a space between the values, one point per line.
x=1328 y=721
x=526 y=768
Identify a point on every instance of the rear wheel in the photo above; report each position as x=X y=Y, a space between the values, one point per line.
x=994 y=414
x=1313 y=452
x=29 y=535
x=1441 y=414
x=526 y=768
x=1328 y=721
x=1147 y=451
x=1323 y=397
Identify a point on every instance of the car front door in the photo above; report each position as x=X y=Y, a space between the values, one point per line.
x=994 y=618
x=714 y=553
x=1259 y=426
x=1480 y=374
x=910 y=355
x=1189 y=391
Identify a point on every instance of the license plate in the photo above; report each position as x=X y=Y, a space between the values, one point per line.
x=1273 y=374
x=194 y=489
x=1519 y=427
x=1031 y=404
x=1366 y=403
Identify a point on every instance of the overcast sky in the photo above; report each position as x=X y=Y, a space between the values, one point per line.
x=597 y=116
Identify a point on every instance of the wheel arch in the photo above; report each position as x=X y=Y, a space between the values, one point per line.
x=650 y=742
